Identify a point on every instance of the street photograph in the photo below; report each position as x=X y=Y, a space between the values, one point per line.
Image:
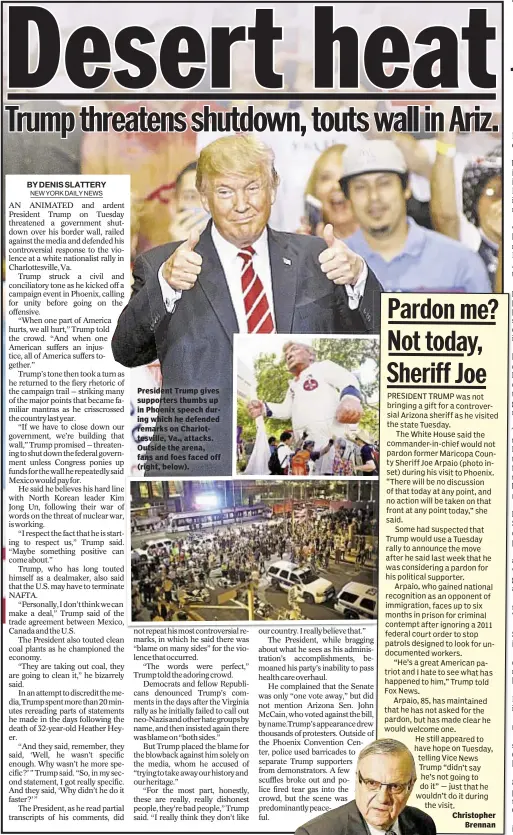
x=254 y=550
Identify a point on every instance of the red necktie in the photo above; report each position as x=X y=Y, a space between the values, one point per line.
x=256 y=304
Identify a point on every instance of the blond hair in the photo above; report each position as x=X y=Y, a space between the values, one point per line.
x=239 y=154
x=309 y=348
x=311 y=184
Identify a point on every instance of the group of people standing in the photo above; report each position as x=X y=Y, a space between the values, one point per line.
x=194 y=564
x=346 y=457
x=324 y=403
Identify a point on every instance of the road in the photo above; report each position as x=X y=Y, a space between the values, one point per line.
x=338 y=574
x=139 y=540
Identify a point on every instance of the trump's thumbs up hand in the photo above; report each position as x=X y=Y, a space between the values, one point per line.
x=183 y=267
x=339 y=263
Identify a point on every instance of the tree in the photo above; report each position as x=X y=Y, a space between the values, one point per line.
x=273 y=378
x=244 y=420
x=351 y=353
x=272 y=384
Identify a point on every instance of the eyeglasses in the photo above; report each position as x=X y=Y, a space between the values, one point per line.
x=376 y=786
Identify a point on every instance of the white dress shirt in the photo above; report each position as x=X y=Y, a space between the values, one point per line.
x=394 y=828
x=232 y=268
x=233 y=265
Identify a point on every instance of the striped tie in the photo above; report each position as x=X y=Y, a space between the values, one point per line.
x=256 y=305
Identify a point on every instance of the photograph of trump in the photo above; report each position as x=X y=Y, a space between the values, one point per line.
x=385 y=777
x=237 y=276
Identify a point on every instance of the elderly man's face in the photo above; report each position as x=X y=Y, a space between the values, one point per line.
x=381 y=805
x=240 y=205
x=297 y=357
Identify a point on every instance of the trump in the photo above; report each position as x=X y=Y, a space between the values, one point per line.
x=385 y=777
x=238 y=276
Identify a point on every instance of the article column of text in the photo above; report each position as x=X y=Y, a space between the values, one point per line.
x=67 y=277
x=443 y=551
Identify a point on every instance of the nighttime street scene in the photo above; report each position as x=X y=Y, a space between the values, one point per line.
x=254 y=550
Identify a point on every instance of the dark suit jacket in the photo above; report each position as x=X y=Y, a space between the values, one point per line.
x=194 y=343
x=347 y=820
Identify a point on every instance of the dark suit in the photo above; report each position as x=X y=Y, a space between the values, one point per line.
x=194 y=344
x=347 y=820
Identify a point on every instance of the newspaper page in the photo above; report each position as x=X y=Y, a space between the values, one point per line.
x=256 y=395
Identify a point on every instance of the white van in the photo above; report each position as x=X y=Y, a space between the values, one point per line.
x=139 y=555
x=357 y=601
x=314 y=589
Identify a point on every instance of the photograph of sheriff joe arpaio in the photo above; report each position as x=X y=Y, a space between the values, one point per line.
x=401 y=341
x=385 y=777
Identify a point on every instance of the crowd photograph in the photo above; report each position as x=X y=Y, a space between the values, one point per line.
x=254 y=550
x=279 y=230
x=307 y=406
